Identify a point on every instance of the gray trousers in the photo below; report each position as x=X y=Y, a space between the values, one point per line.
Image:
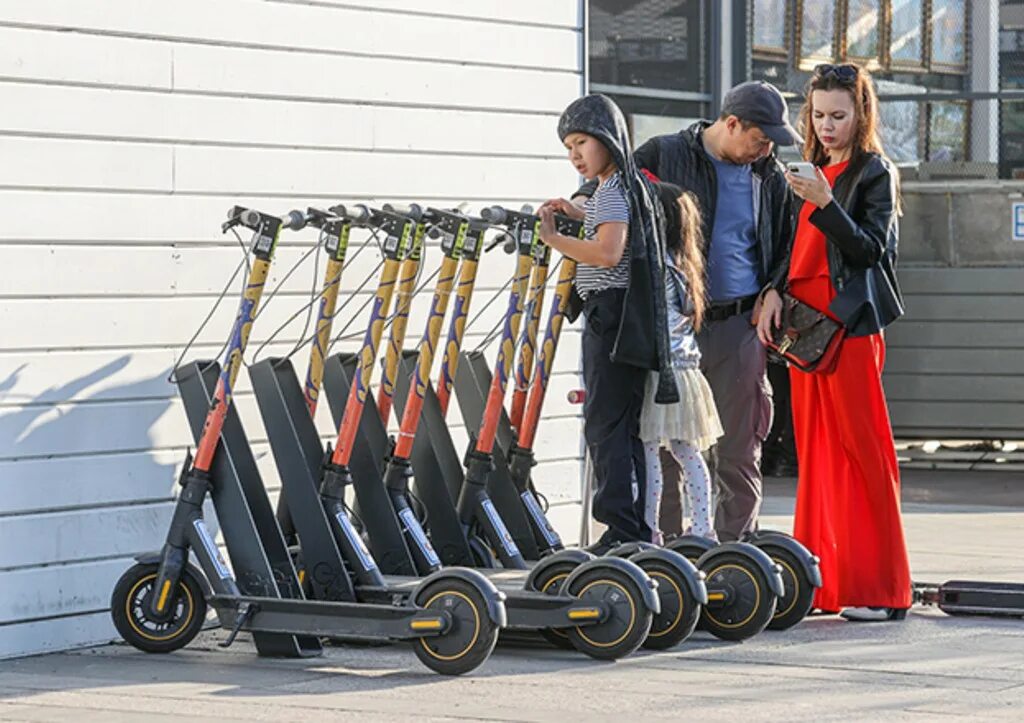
x=734 y=363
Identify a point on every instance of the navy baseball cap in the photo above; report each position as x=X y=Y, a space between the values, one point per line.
x=762 y=104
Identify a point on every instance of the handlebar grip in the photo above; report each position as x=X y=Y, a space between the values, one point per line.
x=494 y=214
x=410 y=210
x=249 y=218
x=526 y=210
x=356 y=213
x=295 y=220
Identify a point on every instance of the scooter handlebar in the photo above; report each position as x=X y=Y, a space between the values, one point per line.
x=410 y=210
x=357 y=213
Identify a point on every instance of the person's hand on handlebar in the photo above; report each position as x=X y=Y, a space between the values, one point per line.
x=563 y=207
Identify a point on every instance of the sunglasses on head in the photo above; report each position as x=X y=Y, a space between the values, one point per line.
x=845 y=73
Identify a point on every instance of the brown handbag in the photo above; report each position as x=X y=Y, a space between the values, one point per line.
x=808 y=339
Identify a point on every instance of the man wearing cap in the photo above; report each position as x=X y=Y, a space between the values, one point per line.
x=747 y=209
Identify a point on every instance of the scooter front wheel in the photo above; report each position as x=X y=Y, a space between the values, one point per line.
x=472 y=635
x=133 y=617
x=740 y=600
x=629 y=620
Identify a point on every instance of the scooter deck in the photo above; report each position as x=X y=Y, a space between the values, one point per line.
x=259 y=557
x=972 y=597
x=345 y=620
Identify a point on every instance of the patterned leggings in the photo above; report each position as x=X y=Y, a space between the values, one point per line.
x=697 y=483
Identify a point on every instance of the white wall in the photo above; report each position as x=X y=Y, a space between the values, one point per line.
x=127 y=129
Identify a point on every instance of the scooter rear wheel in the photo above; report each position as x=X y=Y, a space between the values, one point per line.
x=472 y=635
x=740 y=601
x=798 y=595
x=680 y=610
x=550 y=582
x=132 y=613
x=629 y=623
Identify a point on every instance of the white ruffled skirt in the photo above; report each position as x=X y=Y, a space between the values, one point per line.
x=692 y=419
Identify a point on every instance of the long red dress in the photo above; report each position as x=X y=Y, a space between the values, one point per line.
x=848 y=492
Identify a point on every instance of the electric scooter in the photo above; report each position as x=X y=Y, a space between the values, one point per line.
x=612 y=604
x=159 y=604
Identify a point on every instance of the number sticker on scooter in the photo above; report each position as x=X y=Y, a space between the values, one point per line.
x=356 y=541
x=499 y=526
x=550 y=536
x=212 y=550
x=416 y=530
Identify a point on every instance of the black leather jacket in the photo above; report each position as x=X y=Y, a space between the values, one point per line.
x=680 y=158
x=862 y=228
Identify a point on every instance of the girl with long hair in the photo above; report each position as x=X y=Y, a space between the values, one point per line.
x=843 y=264
x=687 y=427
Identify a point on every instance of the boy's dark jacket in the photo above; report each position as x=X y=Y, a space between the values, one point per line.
x=642 y=338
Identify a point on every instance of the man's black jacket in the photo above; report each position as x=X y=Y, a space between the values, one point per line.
x=680 y=158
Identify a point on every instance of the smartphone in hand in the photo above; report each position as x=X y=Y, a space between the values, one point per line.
x=803 y=169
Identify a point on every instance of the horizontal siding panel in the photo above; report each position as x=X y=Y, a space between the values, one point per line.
x=70 y=429
x=963 y=307
x=172 y=321
x=35 y=593
x=955 y=388
x=59 y=271
x=565 y=518
x=40 y=378
x=36 y=55
x=174 y=117
x=83 y=534
x=942 y=417
x=562 y=14
x=369 y=80
x=53 y=163
x=965 y=362
x=37 y=163
x=270 y=171
x=88 y=59
x=319 y=28
x=956 y=335
x=109 y=480
x=59 y=634
x=957 y=281
x=148 y=219
x=35 y=380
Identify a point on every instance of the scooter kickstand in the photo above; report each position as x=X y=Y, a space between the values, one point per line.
x=245 y=613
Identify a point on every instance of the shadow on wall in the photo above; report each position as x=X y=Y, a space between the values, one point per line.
x=65 y=451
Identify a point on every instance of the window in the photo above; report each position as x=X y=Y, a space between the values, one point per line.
x=862 y=26
x=817 y=30
x=905 y=46
x=770 y=25
x=948 y=30
x=946 y=125
x=655 y=44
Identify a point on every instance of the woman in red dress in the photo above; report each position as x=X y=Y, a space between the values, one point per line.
x=843 y=263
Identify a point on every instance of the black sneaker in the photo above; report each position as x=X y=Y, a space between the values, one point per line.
x=607 y=542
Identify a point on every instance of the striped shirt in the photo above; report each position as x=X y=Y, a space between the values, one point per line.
x=608 y=204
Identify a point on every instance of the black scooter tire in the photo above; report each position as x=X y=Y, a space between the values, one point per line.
x=798 y=598
x=752 y=602
x=129 y=608
x=550 y=582
x=629 y=624
x=472 y=636
x=680 y=610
